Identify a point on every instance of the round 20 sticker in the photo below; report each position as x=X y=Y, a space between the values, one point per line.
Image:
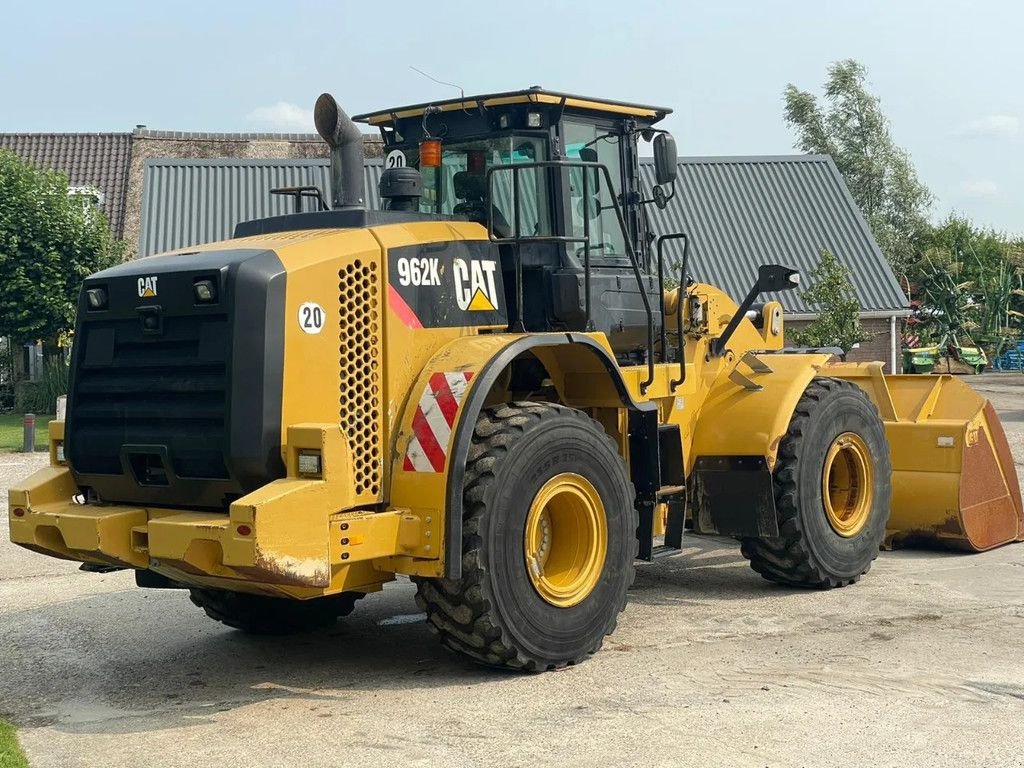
x=395 y=159
x=311 y=317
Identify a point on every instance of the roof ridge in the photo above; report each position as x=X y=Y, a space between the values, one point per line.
x=42 y=134
x=796 y=157
x=151 y=133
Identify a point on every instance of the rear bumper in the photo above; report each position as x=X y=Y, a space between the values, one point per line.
x=276 y=541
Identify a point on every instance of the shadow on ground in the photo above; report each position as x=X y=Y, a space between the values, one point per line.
x=129 y=660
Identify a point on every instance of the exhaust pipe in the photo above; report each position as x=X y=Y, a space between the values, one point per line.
x=346 y=143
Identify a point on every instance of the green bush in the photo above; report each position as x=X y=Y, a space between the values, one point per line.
x=56 y=374
x=41 y=396
x=30 y=397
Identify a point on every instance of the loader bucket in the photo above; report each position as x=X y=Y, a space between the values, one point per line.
x=954 y=483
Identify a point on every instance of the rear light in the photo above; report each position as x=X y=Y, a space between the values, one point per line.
x=19 y=512
x=430 y=153
x=243 y=530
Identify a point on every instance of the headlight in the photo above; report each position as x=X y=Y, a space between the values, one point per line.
x=97 y=298
x=205 y=291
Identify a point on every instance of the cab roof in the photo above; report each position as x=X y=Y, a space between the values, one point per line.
x=534 y=95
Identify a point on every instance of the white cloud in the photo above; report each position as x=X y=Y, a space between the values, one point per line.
x=979 y=189
x=1000 y=126
x=283 y=116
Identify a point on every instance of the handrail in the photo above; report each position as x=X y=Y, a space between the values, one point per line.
x=517 y=239
x=679 y=314
x=299 y=193
x=679 y=303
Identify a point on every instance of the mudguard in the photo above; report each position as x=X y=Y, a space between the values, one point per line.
x=737 y=421
x=432 y=443
x=736 y=442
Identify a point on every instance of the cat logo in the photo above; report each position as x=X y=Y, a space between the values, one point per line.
x=147 y=287
x=475 y=289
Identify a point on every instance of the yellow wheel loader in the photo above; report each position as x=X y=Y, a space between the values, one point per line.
x=486 y=386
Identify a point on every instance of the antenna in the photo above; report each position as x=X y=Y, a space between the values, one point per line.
x=462 y=93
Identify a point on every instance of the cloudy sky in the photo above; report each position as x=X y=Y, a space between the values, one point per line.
x=950 y=73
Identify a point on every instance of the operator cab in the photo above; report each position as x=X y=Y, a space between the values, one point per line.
x=555 y=179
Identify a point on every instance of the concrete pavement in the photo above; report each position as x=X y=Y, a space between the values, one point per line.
x=919 y=664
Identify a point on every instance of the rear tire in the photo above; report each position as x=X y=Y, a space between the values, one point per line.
x=833 y=490
x=261 y=615
x=549 y=538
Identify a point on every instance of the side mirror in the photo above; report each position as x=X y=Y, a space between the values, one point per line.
x=590 y=207
x=660 y=198
x=772 y=277
x=666 y=161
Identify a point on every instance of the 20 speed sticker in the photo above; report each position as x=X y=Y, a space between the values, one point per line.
x=311 y=317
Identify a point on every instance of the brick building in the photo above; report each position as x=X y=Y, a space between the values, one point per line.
x=110 y=166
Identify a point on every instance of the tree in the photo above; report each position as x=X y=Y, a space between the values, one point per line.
x=970 y=279
x=831 y=293
x=852 y=128
x=49 y=242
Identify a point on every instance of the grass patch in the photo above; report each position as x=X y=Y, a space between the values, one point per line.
x=11 y=755
x=12 y=437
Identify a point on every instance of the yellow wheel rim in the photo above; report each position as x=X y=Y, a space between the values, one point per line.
x=565 y=540
x=847 y=482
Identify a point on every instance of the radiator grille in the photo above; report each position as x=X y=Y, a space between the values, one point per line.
x=167 y=391
x=360 y=372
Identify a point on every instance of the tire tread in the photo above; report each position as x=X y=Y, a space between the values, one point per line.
x=461 y=610
x=788 y=560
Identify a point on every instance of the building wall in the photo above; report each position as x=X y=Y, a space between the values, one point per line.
x=147 y=144
x=876 y=347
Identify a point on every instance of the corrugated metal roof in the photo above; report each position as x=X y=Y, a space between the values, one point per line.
x=189 y=202
x=98 y=160
x=739 y=211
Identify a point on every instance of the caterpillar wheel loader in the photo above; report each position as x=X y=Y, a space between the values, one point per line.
x=486 y=386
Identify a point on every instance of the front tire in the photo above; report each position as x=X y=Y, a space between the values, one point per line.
x=261 y=615
x=549 y=538
x=833 y=490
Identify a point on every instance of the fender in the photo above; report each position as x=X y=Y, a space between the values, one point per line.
x=431 y=476
x=736 y=445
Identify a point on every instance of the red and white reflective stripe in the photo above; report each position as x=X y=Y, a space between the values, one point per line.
x=433 y=421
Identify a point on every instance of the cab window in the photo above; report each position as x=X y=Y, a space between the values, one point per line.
x=594 y=143
x=459 y=186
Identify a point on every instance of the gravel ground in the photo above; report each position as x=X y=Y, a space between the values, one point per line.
x=919 y=664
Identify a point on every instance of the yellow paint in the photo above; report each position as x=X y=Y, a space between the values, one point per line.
x=929 y=422
x=847 y=484
x=565 y=540
x=352 y=398
x=538 y=97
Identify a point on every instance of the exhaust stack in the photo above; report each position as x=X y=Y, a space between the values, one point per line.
x=346 y=143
